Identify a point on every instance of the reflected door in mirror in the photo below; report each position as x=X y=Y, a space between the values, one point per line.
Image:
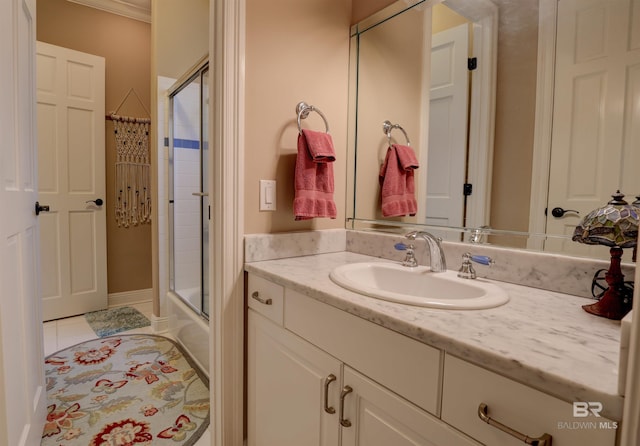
x=447 y=148
x=595 y=151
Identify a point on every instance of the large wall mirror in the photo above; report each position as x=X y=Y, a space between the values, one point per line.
x=512 y=108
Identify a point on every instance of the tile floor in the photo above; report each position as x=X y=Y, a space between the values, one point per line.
x=64 y=333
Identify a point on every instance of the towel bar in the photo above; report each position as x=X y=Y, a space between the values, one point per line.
x=387 y=127
x=303 y=109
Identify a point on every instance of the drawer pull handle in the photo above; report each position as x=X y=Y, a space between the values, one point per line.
x=262 y=300
x=345 y=391
x=328 y=380
x=544 y=440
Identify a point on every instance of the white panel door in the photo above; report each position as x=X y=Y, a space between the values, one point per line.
x=596 y=125
x=448 y=104
x=22 y=392
x=71 y=160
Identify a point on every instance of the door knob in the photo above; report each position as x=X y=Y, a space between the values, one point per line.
x=41 y=208
x=559 y=212
x=97 y=201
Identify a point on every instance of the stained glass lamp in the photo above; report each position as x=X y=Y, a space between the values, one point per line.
x=614 y=225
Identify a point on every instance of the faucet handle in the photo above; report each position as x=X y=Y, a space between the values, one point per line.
x=466 y=270
x=483 y=260
x=410 y=259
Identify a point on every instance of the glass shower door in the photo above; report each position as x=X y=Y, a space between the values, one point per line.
x=188 y=200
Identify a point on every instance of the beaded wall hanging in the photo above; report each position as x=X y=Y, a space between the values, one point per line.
x=133 y=171
x=133 y=168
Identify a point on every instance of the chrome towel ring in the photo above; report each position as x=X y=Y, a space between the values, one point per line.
x=387 y=127
x=303 y=109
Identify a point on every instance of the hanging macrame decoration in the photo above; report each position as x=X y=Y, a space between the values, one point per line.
x=133 y=171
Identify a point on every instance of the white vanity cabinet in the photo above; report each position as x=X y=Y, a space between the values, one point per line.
x=318 y=376
x=299 y=394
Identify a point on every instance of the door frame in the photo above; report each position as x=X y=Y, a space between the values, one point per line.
x=482 y=115
x=226 y=192
x=547 y=23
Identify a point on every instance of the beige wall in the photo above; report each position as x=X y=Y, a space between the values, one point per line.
x=295 y=51
x=125 y=44
x=389 y=88
x=445 y=18
x=515 y=115
x=364 y=8
x=182 y=35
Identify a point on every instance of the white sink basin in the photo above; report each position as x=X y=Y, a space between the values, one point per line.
x=418 y=286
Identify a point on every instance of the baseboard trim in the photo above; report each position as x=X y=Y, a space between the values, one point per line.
x=129 y=297
x=159 y=324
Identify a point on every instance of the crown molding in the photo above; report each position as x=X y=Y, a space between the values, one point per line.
x=137 y=10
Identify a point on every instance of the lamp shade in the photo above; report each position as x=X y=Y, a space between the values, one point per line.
x=615 y=225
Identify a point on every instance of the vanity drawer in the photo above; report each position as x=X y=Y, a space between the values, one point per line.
x=405 y=366
x=266 y=297
x=515 y=405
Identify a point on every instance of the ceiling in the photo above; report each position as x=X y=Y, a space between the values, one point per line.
x=134 y=9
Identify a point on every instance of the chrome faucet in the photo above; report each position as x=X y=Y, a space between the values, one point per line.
x=437 y=260
x=479 y=235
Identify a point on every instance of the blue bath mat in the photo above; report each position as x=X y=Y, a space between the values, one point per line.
x=114 y=320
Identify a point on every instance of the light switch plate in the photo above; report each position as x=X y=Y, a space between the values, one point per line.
x=267 y=195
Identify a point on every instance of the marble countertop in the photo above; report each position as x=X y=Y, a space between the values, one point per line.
x=540 y=338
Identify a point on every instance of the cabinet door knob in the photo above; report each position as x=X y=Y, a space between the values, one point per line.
x=345 y=391
x=544 y=440
x=328 y=380
x=255 y=295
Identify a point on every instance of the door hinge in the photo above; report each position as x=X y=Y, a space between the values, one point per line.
x=467 y=189
x=472 y=63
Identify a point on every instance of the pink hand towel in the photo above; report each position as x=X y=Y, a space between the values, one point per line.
x=397 y=182
x=320 y=146
x=313 y=181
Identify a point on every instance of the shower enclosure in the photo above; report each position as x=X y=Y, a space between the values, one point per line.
x=189 y=207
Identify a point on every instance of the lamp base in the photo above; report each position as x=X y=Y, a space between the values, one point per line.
x=613 y=304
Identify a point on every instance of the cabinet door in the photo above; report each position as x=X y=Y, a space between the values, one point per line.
x=286 y=381
x=379 y=417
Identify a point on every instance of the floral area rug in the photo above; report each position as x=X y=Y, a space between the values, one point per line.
x=114 y=320
x=127 y=390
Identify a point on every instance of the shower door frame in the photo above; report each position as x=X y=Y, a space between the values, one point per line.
x=201 y=72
